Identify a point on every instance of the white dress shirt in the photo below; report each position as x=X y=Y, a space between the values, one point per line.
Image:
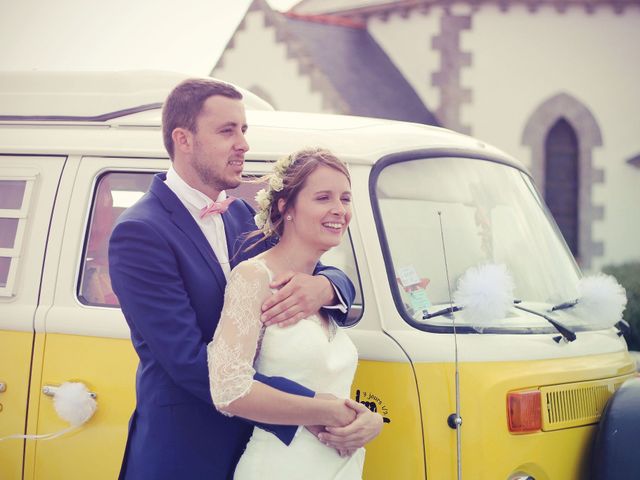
x=212 y=226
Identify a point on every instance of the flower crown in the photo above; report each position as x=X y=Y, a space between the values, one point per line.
x=264 y=197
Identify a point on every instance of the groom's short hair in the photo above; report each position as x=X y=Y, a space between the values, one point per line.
x=184 y=103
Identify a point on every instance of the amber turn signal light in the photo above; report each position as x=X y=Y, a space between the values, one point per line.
x=524 y=411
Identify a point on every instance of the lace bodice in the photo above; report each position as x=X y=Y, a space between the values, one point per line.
x=235 y=353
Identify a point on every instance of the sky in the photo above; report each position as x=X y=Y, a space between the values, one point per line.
x=186 y=36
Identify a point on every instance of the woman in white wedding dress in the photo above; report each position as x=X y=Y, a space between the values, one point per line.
x=307 y=207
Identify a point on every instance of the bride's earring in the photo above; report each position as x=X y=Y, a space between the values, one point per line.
x=289 y=218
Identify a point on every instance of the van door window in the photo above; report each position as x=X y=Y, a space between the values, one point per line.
x=114 y=193
x=14 y=203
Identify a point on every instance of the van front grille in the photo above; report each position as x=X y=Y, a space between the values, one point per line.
x=573 y=405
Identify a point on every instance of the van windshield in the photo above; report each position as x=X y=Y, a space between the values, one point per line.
x=490 y=213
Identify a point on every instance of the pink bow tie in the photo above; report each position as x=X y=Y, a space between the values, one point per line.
x=216 y=207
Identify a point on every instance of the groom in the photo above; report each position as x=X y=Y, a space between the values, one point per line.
x=170 y=255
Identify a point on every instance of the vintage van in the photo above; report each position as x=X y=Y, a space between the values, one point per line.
x=77 y=149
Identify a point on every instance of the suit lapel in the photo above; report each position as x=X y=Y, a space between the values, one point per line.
x=238 y=223
x=233 y=233
x=185 y=222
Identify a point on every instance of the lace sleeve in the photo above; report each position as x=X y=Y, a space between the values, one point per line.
x=232 y=351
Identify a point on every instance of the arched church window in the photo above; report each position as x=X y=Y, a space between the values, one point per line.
x=561 y=184
x=562 y=134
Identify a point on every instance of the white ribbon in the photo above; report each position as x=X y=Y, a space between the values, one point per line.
x=73 y=403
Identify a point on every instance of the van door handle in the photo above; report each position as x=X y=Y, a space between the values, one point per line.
x=3 y=387
x=50 y=391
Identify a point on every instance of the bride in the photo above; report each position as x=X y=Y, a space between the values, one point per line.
x=307 y=207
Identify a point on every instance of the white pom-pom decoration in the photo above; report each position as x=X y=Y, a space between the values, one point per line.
x=485 y=293
x=73 y=403
x=601 y=300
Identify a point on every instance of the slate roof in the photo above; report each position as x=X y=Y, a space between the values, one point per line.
x=363 y=8
x=359 y=70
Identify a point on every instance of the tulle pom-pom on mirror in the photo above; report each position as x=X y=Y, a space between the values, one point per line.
x=485 y=294
x=601 y=300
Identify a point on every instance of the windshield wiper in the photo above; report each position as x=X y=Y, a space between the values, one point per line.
x=566 y=333
x=445 y=311
x=564 y=305
x=622 y=326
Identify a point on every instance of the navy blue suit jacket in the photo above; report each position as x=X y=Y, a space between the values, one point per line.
x=171 y=290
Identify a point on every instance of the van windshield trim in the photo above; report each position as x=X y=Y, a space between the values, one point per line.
x=424 y=154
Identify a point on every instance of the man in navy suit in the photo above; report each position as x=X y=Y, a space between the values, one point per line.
x=169 y=257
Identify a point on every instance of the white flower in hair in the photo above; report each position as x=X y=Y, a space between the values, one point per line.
x=275 y=183
x=263 y=199
x=281 y=166
x=260 y=219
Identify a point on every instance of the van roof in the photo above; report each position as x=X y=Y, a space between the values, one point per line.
x=358 y=138
x=128 y=104
x=91 y=96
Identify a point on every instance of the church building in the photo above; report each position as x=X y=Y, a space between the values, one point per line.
x=552 y=82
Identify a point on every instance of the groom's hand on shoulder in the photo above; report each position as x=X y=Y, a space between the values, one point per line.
x=299 y=296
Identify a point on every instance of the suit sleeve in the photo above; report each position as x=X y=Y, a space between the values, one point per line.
x=344 y=287
x=145 y=276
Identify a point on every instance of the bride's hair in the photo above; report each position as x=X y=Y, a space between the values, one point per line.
x=288 y=178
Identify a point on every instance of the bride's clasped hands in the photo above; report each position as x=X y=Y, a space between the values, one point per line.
x=363 y=427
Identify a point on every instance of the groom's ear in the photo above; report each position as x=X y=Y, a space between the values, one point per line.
x=182 y=139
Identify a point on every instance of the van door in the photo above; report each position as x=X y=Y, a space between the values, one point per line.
x=27 y=193
x=87 y=339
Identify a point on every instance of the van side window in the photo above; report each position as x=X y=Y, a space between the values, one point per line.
x=14 y=204
x=114 y=193
x=342 y=256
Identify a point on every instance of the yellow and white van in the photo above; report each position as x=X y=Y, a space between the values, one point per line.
x=77 y=149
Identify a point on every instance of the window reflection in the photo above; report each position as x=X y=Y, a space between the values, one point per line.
x=8 y=231
x=12 y=224
x=5 y=264
x=487 y=213
x=115 y=192
x=12 y=194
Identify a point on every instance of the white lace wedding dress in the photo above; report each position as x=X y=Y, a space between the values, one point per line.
x=321 y=359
